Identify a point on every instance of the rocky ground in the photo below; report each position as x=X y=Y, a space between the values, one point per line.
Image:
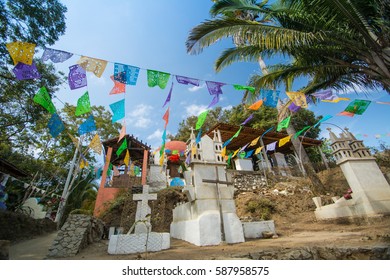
x=286 y=201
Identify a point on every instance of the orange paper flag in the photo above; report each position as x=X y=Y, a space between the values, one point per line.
x=256 y=105
x=166 y=117
x=118 y=87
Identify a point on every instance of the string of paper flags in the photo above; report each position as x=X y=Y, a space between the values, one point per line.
x=22 y=54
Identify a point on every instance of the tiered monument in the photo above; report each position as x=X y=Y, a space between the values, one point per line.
x=370 y=191
x=209 y=218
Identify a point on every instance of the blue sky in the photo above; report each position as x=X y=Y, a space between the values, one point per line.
x=151 y=35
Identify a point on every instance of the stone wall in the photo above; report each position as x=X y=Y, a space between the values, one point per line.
x=244 y=181
x=77 y=233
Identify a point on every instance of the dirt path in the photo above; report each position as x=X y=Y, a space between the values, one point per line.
x=33 y=249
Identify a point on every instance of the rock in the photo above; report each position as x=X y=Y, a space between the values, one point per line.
x=267 y=234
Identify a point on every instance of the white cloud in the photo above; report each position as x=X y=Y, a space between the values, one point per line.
x=155 y=135
x=97 y=81
x=140 y=116
x=229 y=107
x=195 y=88
x=195 y=110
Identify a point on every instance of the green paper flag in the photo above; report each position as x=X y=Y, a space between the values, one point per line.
x=284 y=123
x=301 y=131
x=201 y=119
x=109 y=170
x=240 y=87
x=122 y=147
x=157 y=78
x=83 y=105
x=43 y=98
x=237 y=133
x=357 y=106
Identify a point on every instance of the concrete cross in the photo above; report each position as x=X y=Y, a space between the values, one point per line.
x=143 y=210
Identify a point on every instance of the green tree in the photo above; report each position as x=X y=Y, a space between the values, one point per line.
x=336 y=43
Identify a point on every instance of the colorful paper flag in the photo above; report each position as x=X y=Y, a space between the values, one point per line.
x=248 y=88
x=357 y=106
x=254 y=141
x=123 y=131
x=26 y=72
x=87 y=126
x=166 y=117
x=83 y=105
x=299 y=98
x=186 y=81
x=126 y=74
x=227 y=142
x=169 y=96
x=201 y=119
x=327 y=117
x=126 y=160
x=118 y=87
x=215 y=88
x=56 y=126
x=283 y=124
x=122 y=147
x=157 y=78
x=325 y=95
x=43 y=98
x=21 y=52
x=294 y=108
x=95 y=144
x=249 y=153
x=223 y=152
x=198 y=136
x=256 y=106
x=270 y=97
x=94 y=65
x=301 y=131
x=258 y=150
x=118 y=110
x=235 y=153
x=56 y=56
x=109 y=170
x=284 y=141
x=347 y=114
x=243 y=148
x=247 y=120
x=77 y=77
x=271 y=146
x=74 y=140
x=214 y=101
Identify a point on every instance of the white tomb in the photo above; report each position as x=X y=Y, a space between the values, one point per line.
x=370 y=190
x=281 y=163
x=143 y=239
x=243 y=164
x=209 y=218
x=32 y=208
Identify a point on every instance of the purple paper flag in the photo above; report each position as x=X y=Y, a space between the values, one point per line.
x=271 y=146
x=185 y=81
x=55 y=55
x=56 y=126
x=214 y=87
x=169 y=96
x=214 y=101
x=243 y=148
x=188 y=159
x=26 y=72
x=294 y=108
x=77 y=77
x=324 y=95
x=247 y=120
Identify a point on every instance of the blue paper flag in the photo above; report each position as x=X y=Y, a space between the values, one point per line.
x=118 y=110
x=126 y=74
x=249 y=153
x=327 y=117
x=56 y=126
x=270 y=97
x=87 y=126
x=199 y=136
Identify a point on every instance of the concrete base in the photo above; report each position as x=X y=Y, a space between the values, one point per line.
x=360 y=207
x=136 y=243
x=255 y=229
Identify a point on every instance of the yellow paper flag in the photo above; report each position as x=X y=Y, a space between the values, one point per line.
x=93 y=65
x=256 y=105
x=162 y=159
x=258 y=150
x=21 y=52
x=223 y=152
x=193 y=150
x=126 y=160
x=235 y=153
x=96 y=144
x=254 y=141
x=284 y=140
x=299 y=98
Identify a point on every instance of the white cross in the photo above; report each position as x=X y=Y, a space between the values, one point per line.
x=143 y=208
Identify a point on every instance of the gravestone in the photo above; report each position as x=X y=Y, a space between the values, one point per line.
x=143 y=239
x=370 y=194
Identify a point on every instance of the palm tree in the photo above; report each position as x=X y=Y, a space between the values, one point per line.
x=336 y=43
x=240 y=19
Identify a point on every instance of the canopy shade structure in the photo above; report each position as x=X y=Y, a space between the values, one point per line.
x=136 y=149
x=8 y=168
x=248 y=134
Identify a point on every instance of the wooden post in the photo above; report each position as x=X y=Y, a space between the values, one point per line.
x=100 y=194
x=144 y=167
